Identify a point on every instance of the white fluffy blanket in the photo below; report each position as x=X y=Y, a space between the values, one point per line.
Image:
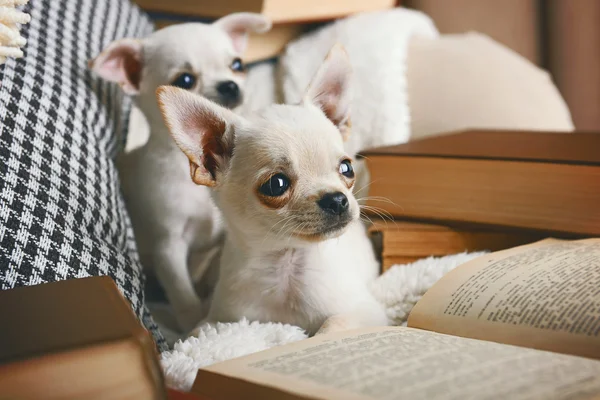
x=398 y=290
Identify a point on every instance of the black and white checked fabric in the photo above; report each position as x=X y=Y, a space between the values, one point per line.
x=62 y=215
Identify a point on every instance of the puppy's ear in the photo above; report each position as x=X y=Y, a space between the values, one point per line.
x=239 y=25
x=202 y=129
x=330 y=89
x=121 y=62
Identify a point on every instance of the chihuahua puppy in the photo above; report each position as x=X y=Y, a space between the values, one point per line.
x=295 y=251
x=176 y=226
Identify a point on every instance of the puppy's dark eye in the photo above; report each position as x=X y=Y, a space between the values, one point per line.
x=276 y=186
x=237 y=65
x=346 y=169
x=184 y=81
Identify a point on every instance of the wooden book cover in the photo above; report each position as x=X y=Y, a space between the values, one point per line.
x=278 y=11
x=405 y=242
x=77 y=338
x=518 y=324
x=534 y=180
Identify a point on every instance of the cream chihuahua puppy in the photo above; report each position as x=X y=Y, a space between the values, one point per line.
x=177 y=228
x=295 y=250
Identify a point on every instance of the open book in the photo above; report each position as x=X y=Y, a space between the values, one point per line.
x=517 y=324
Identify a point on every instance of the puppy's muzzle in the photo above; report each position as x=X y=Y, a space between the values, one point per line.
x=335 y=204
x=229 y=94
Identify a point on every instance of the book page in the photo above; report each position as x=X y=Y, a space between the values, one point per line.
x=396 y=363
x=545 y=296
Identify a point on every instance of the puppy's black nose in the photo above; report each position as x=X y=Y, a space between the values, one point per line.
x=334 y=203
x=228 y=90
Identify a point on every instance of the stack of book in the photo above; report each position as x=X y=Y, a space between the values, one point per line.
x=483 y=190
x=290 y=18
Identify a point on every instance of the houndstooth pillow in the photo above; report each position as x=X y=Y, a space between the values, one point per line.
x=61 y=211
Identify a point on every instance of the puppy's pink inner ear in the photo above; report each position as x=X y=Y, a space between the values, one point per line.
x=239 y=38
x=132 y=69
x=330 y=104
x=121 y=64
x=214 y=148
x=201 y=129
x=239 y=25
x=335 y=107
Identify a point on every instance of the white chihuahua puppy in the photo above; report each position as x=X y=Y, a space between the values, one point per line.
x=177 y=228
x=295 y=250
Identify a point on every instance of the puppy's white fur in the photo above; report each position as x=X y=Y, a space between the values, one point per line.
x=284 y=260
x=177 y=227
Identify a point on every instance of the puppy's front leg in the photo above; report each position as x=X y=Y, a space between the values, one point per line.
x=171 y=268
x=367 y=313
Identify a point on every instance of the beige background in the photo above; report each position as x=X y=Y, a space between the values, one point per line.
x=562 y=36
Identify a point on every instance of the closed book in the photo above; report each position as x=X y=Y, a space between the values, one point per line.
x=534 y=180
x=75 y=339
x=405 y=242
x=277 y=10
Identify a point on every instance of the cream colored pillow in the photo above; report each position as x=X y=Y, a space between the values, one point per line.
x=468 y=80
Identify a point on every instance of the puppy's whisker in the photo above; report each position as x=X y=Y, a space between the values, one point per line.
x=363 y=187
x=284 y=221
x=366 y=218
x=380 y=199
x=378 y=211
x=283 y=232
x=299 y=229
x=384 y=215
x=288 y=234
x=366 y=186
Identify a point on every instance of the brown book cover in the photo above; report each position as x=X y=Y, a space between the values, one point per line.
x=579 y=148
x=278 y=11
x=534 y=180
x=405 y=242
x=76 y=338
